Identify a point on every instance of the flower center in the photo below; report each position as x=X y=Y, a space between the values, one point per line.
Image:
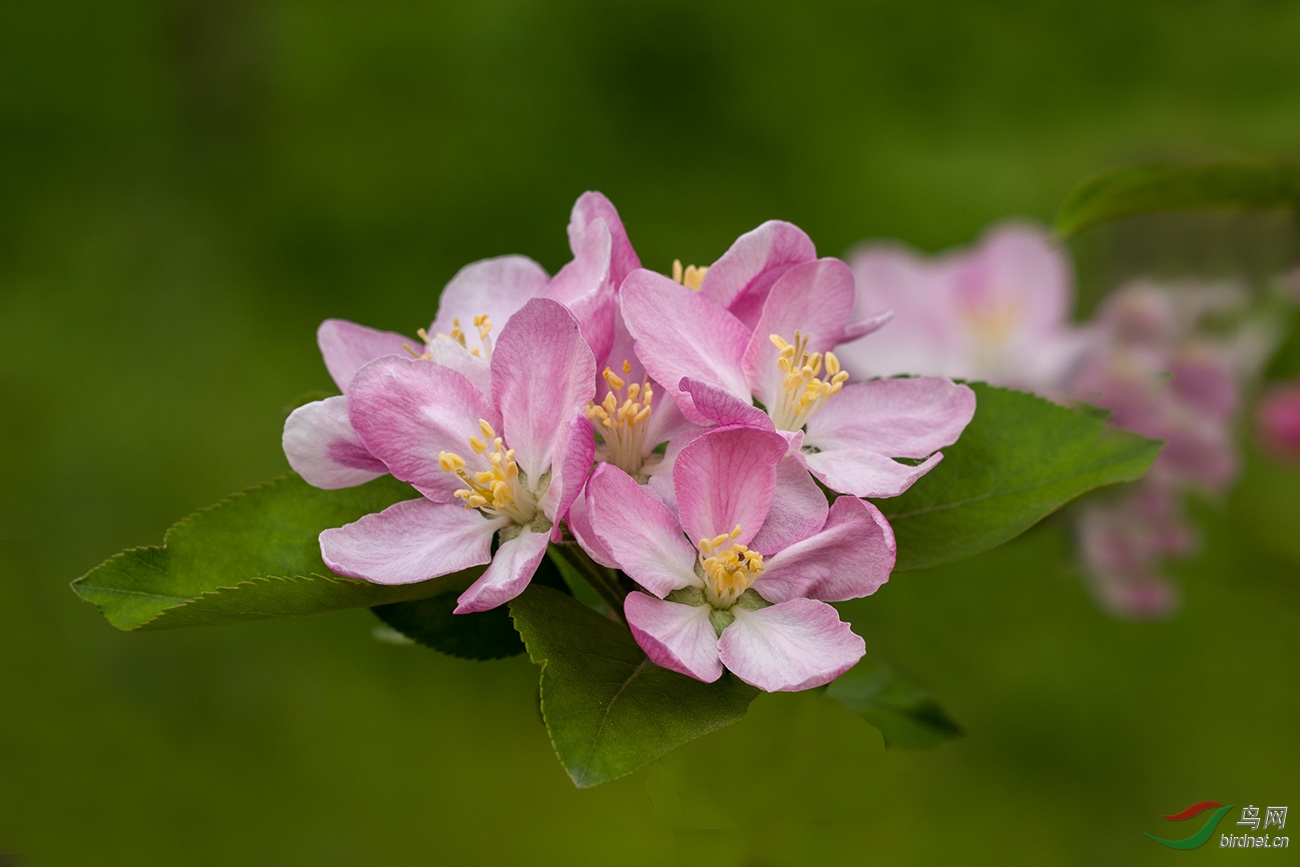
x=729 y=570
x=691 y=277
x=497 y=490
x=482 y=322
x=804 y=388
x=622 y=418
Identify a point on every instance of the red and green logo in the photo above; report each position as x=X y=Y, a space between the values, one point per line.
x=1207 y=830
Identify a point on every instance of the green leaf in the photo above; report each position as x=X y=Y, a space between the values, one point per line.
x=1146 y=189
x=252 y=556
x=608 y=708
x=1020 y=459
x=905 y=714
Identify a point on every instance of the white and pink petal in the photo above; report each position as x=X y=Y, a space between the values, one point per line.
x=792 y=646
x=325 y=450
x=675 y=636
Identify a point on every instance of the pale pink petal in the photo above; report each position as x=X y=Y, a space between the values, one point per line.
x=513 y=566
x=639 y=532
x=798 y=510
x=579 y=523
x=414 y=540
x=451 y=354
x=408 y=410
x=795 y=645
x=569 y=472
x=542 y=371
x=742 y=277
x=680 y=334
x=323 y=448
x=592 y=206
x=864 y=473
x=585 y=287
x=899 y=418
x=497 y=287
x=721 y=407
x=869 y=325
x=1019 y=268
x=727 y=477
x=675 y=636
x=850 y=557
x=347 y=347
x=813 y=298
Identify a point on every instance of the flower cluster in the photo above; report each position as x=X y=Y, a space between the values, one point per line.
x=698 y=435
x=1167 y=361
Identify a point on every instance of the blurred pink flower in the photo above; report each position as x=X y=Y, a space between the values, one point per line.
x=1278 y=421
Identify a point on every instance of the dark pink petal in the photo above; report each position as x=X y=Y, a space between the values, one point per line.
x=721 y=407
x=675 y=636
x=585 y=287
x=727 y=477
x=542 y=372
x=814 y=298
x=347 y=347
x=850 y=557
x=592 y=206
x=497 y=287
x=898 y=418
x=796 y=645
x=414 y=540
x=680 y=334
x=579 y=523
x=864 y=473
x=323 y=448
x=513 y=566
x=639 y=532
x=742 y=277
x=408 y=410
x=798 y=511
x=569 y=473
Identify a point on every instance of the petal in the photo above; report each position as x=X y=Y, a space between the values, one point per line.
x=788 y=647
x=799 y=509
x=585 y=287
x=865 y=473
x=592 y=206
x=898 y=418
x=741 y=278
x=497 y=287
x=727 y=477
x=675 y=636
x=1018 y=267
x=323 y=448
x=347 y=347
x=579 y=524
x=414 y=540
x=850 y=557
x=869 y=325
x=569 y=473
x=542 y=371
x=513 y=566
x=451 y=354
x=721 y=407
x=639 y=532
x=408 y=410
x=679 y=333
x=814 y=298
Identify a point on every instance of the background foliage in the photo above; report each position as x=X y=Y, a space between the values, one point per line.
x=189 y=188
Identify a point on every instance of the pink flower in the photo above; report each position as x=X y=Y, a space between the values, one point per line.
x=1278 y=420
x=501 y=457
x=996 y=312
x=845 y=434
x=741 y=574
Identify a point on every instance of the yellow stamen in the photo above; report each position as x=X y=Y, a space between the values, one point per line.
x=729 y=568
x=621 y=419
x=482 y=322
x=691 y=277
x=804 y=390
x=496 y=490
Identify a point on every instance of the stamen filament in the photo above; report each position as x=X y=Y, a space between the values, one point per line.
x=803 y=388
x=622 y=419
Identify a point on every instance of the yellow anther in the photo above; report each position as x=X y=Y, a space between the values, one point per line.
x=477 y=445
x=482 y=322
x=486 y=429
x=621 y=419
x=495 y=490
x=692 y=276
x=449 y=462
x=729 y=568
x=803 y=390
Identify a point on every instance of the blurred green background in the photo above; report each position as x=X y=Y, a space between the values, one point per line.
x=188 y=188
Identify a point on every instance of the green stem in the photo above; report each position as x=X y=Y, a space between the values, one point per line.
x=603 y=580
